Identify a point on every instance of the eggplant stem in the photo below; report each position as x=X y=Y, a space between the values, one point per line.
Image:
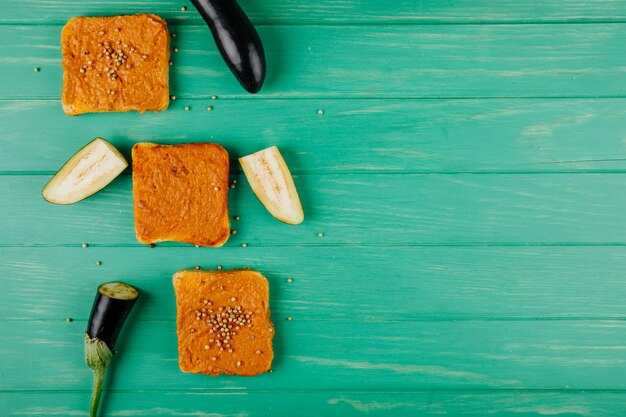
x=98 y=384
x=98 y=357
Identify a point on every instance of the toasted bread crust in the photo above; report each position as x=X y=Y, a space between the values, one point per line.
x=249 y=348
x=181 y=193
x=141 y=79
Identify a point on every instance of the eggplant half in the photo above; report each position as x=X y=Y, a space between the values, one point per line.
x=236 y=39
x=88 y=171
x=113 y=303
x=271 y=181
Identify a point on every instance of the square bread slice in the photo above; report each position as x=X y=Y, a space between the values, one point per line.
x=181 y=193
x=223 y=322
x=115 y=64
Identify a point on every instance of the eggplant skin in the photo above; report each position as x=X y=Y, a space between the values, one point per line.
x=237 y=40
x=107 y=318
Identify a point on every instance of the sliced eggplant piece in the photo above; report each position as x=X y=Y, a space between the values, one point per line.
x=273 y=185
x=113 y=303
x=86 y=173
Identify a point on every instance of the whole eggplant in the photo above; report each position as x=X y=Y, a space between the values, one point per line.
x=237 y=40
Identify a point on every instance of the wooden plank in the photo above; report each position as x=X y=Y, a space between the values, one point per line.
x=367 y=283
x=352 y=135
x=411 y=61
x=335 y=354
x=322 y=403
x=346 y=11
x=404 y=209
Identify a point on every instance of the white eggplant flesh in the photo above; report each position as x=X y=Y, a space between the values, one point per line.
x=271 y=181
x=86 y=173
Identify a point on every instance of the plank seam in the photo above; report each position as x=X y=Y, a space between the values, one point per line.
x=193 y=22
x=354 y=245
x=615 y=319
x=223 y=391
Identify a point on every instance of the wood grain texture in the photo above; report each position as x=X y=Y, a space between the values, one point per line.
x=336 y=354
x=353 y=135
x=344 y=12
x=467 y=172
x=323 y=403
x=386 y=284
x=355 y=209
x=376 y=62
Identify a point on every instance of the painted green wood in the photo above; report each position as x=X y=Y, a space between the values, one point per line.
x=421 y=298
x=325 y=403
x=397 y=283
x=349 y=209
x=410 y=61
x=337 y=354
x=352 y=135
x=333 y=12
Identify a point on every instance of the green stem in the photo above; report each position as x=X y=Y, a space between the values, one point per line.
x=98 y=357
x=98 y=384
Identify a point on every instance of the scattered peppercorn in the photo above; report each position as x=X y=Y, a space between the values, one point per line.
x=187 y=108
x=209 y=108
x=84 y=245
x=184 y=8
x=233 y=232
x=224 y=324
x=152 y=245
x=244 y=245
x=175 y=49
x=98 y=263
x=290 y=280
x=36 y=69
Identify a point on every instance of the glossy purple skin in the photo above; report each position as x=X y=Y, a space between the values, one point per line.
x=107 y=318
x=237 y=40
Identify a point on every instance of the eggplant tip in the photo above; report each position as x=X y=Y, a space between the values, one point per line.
x=253 y=88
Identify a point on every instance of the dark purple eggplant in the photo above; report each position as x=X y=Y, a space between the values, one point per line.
x=113 y=303
x=236 y=39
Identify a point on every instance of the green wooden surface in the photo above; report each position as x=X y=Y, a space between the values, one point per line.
x=493 y=135
x=344 y=12
x=467 y=172
x=368 y=61
x=461 y=283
